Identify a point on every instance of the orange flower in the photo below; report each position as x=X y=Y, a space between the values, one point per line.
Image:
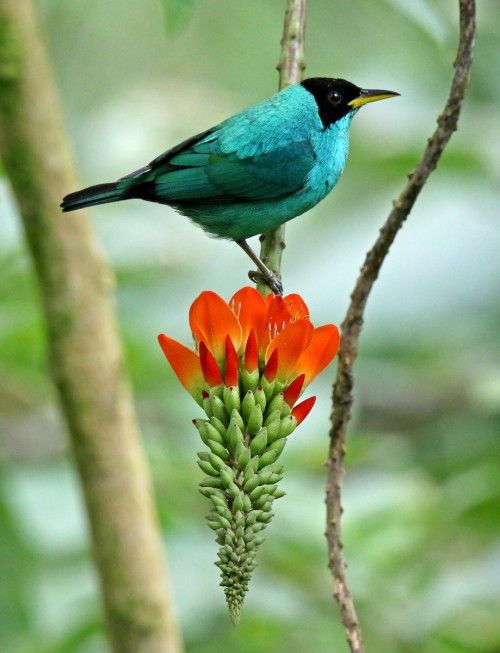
x=252 y=359
x=271 y=338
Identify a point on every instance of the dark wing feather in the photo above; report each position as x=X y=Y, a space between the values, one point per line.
x=198 y=171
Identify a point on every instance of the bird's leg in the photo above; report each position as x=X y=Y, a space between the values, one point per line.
x=271 y=279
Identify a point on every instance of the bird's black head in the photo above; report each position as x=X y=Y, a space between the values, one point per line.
x=337 y=97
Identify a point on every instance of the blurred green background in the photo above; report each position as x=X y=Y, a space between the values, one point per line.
x=422 y=492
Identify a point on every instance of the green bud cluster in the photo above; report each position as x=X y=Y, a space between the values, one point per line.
x=245 y=432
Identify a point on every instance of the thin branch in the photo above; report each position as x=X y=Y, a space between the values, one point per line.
x=291 y=64
x=352 y=324
x=86 y=359
x=291 y=67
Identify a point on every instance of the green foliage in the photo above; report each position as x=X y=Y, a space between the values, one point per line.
x=177 y=14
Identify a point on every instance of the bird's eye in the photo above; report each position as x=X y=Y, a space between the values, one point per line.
x=334 y=97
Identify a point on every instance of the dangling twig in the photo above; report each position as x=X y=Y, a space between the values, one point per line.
x=352 y=324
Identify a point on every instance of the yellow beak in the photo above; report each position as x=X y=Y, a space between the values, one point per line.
x=366 y=96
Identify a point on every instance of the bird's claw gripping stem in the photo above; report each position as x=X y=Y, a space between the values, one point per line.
x=264 y=273
x=270 y=279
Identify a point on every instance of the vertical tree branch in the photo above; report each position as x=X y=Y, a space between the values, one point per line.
x=352 y=324
x=291 y=67
x=86 y=359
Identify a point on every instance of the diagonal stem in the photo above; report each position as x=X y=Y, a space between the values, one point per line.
x=291 y=66
x=353 y=321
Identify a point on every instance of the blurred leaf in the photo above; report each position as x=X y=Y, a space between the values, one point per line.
x=87 y=636
x=425 y=15
x=381 y=169
x=451 y=645
x=17 y=565
x=177 y=14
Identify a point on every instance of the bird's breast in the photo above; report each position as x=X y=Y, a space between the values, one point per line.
x=331 y=148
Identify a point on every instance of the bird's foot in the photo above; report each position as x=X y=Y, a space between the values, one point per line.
x=264 y=274
x=271 y=279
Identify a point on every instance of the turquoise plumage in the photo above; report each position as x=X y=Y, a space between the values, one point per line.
x=256 y=170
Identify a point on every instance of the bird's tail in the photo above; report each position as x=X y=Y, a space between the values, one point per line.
x=100 y=194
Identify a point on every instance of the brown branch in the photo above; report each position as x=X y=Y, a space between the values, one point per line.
x=291 y=67
x=86 y=359
x=352 y=324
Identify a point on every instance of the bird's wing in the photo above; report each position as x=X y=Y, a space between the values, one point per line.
x=213 y=167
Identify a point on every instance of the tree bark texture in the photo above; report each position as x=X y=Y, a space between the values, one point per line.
x=85 y=355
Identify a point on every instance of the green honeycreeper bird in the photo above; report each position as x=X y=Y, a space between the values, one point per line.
x=256 y=170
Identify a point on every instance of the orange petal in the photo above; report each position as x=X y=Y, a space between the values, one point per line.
x=271 y=368
x=251 y=353
x=211 y=320
x=250 y=308
x=320 y=352
x=262 y=330
x=269 y=298
x=209 y=367
x=185 y=363
x=232 y=364
x=291 y=343
x=297 y=308
x=302 y=410
x=293 y=391
x=278 y=316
